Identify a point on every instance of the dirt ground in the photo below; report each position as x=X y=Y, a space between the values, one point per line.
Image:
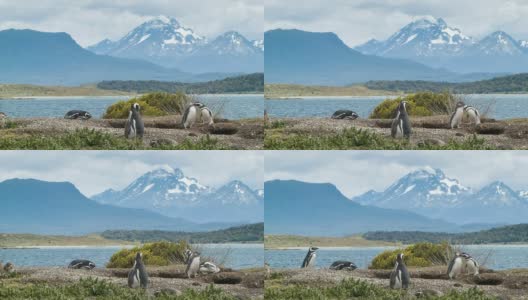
x=511 y=284
x=240 y=134
x=241 y=284
x=503 y=134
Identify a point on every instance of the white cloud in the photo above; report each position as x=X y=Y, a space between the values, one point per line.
x=89 y=21
x=356 y=172
x=95 y=171
x=360 y=20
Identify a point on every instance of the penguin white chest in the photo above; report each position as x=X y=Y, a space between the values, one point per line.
x=456 y=119
x=191 y=117
x=456 y=268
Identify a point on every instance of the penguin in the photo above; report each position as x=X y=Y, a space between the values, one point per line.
x=401 y=125
x=191 y=114
x=187 y=255
x=471 y=265
x=207 y=116
x=208 y=268
x=81 y=264
x=456 y=117
x=399 y=277
x=9 y=267
x=456 y=266
x=138 y=274
x=344 y=114
x=3 y=119
x=193 y=265
x=473 y=114
x=134 y=126
x=343 y=265
x=309 y=260
x=77 y=114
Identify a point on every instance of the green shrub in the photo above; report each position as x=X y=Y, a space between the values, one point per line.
x=153 y=105
x=419 y=104
x=154 y=254
x=417 y=255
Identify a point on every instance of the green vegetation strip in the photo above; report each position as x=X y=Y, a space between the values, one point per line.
x=355 y=289
x=417 y=255
x=90 y=288
x=91 y=139
x=154 y=254
x=507 y=234
x=245 y=233
x=252 y=83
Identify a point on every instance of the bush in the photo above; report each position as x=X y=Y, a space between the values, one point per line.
x=417 y=255
x=153 y=105
x=419 y=104
x=154 y=254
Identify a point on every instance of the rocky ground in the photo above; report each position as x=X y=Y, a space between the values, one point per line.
x=504 y=134
x=246 y=284
x=240 y=134
x=511 y=284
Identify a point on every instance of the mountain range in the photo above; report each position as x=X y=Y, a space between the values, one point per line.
x=320 y=209
x=40 y=207
x=34 y=57
x=314 y=58
x=169 y=192
x=164 y=41
x=432 y=194
x=433 y=42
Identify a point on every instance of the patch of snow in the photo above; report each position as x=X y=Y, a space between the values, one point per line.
x=148 y=187
x=144 y=38
x=408 y=189
x=412 y=37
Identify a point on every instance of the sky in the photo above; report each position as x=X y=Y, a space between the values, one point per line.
x=356 y=172
x=90 y=21
x=93 y=172
x=357 y=21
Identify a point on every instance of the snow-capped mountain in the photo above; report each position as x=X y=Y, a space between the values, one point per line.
x=424 y=37
x=164 y=41
x=169 y=192
x=421 y=189
x=433 y=42
x=433 y=194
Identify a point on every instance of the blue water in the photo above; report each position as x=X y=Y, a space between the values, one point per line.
x=497 y=257
x=501 y=106
x=232 y=107
x=236 y=256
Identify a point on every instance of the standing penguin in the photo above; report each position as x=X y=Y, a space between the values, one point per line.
x=207 y=116
x=134 y=126
x=138 y=274
x=399 y=277
x=309 y=260
x=191 y=114
x=401 y=125
x=456 y=117
x=471 y=265
x=193 y=265
x=187 y=255
x=456 y=266
x=473 y=114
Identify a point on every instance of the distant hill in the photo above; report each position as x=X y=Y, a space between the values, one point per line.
x=252 y=83
x=506 y=234
x=319 y=209
x=244 y=233
x=40 y=207
x=312 y=58
x=517 y=83
x=34 y=57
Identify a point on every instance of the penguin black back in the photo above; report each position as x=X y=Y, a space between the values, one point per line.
x=401 y=123
x=309 y=259
x=399 y=277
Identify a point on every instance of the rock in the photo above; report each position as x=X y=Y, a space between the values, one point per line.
x=227 y=278
x=161 y=142
x=490 y=128
x=223 y=128
x=196 y=283
x=192 y=134
x=459 y=134
x=428 y=294
x=488 y=279
x=167 y=292
x=457 y=285
x=431 y=142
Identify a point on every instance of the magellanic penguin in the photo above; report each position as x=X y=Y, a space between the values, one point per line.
x=209 y=268
x=77 y=114
x=401 y=125
x=399 y=277
x=193 y=266
x=191 y=114
x=138 y=274
x=134 y=126
x=187 y=255
x=207 y=116
x=456 y=266
x=343 y=265
x=344 y=114
x=81 y=264
x=471 y=265
x=458 y=114
x=9 y=268
x=473 y=114
x=309 y=260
